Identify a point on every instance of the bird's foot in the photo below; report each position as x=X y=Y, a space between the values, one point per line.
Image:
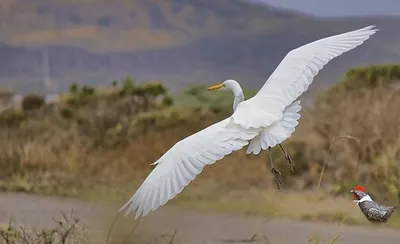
x=277 y=174
x=290 y=162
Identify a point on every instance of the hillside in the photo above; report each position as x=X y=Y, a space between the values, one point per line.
x=178 y=41
x=124 y=25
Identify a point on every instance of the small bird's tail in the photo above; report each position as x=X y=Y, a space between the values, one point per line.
x=392 y=209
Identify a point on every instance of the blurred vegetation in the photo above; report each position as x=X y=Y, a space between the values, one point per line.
x=367 y=77
x=32 y=101
x=200 y=97
x=371 y=76
x=364 y=105
x=68 y=229
x=107 y=136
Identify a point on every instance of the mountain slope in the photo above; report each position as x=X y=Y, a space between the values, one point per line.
x=181 y=42
x=126 y=25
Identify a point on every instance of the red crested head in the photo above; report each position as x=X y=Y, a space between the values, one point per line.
x=358 y=188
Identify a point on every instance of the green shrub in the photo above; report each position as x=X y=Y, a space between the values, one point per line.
x=73 y=88
x=128 y=86
x=154 y=89
x=80 y=97
x=368 y=77
x=32 y=101
x=87 y=90
x=167 y=101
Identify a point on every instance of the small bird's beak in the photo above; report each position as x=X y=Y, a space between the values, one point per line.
x=352 y=191
x=215 y=87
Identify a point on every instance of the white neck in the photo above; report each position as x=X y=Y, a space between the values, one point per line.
x=237 y=91
x=363 y=199
x=237 y=99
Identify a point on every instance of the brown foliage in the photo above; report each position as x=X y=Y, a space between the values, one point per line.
x=111 y=140
x=373 y=117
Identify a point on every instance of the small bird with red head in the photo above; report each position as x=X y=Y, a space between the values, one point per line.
x=372 y=210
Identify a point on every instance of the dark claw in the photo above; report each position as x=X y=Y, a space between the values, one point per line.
x=277 y=174
x=290 y=162
x=288 y=158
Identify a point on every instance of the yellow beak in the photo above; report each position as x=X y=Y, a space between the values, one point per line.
x=215 y=87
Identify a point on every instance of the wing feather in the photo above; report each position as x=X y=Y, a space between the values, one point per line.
x=276 y=133
x=293 y=76
x=297 y=70
x=184 y=161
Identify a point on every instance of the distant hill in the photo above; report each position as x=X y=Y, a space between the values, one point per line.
x=338 y=7
x=180 y=42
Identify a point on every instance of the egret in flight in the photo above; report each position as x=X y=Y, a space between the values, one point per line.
x=266 y=120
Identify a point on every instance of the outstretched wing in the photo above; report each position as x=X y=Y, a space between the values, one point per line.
x=184 y=161
x=297 y=70
x=294 y=75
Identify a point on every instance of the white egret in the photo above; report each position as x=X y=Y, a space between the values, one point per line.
x=267 y=119
x=265 y=139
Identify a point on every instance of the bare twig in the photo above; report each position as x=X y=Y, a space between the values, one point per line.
x=329 y=152
x=335 y=240
x=248 y=240
x=66 y=233
x=256 y=233
x=173 y=237
x=63 y=233
x=24 y=235
x=5 y=236
x=111 y=227
x=161 y=237
x=134 y=228
x=253 y=237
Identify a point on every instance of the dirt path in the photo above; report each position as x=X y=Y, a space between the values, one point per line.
x=192 y=226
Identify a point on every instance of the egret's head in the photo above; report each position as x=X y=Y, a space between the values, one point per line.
x=228 y=84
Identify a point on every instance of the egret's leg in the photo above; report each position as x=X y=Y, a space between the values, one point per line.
x=277 y=174
x=288 y=158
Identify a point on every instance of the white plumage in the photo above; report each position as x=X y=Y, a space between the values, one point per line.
x=267 y=119
x=277 y=132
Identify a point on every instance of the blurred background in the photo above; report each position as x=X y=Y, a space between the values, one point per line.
x=93 y=91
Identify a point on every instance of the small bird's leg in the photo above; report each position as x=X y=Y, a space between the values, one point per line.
x=277 y=174
x=288 y=159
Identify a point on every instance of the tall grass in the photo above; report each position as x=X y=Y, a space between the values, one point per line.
x=110 y=138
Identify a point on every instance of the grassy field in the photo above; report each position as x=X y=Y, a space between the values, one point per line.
x=97 y=144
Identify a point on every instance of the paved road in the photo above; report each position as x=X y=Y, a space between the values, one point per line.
x=192 y=226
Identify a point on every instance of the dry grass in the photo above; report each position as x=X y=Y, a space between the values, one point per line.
x=68 y=229
x=372 y=117
x=108 y=144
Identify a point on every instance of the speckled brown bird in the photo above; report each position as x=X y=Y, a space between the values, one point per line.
x=372 y=210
